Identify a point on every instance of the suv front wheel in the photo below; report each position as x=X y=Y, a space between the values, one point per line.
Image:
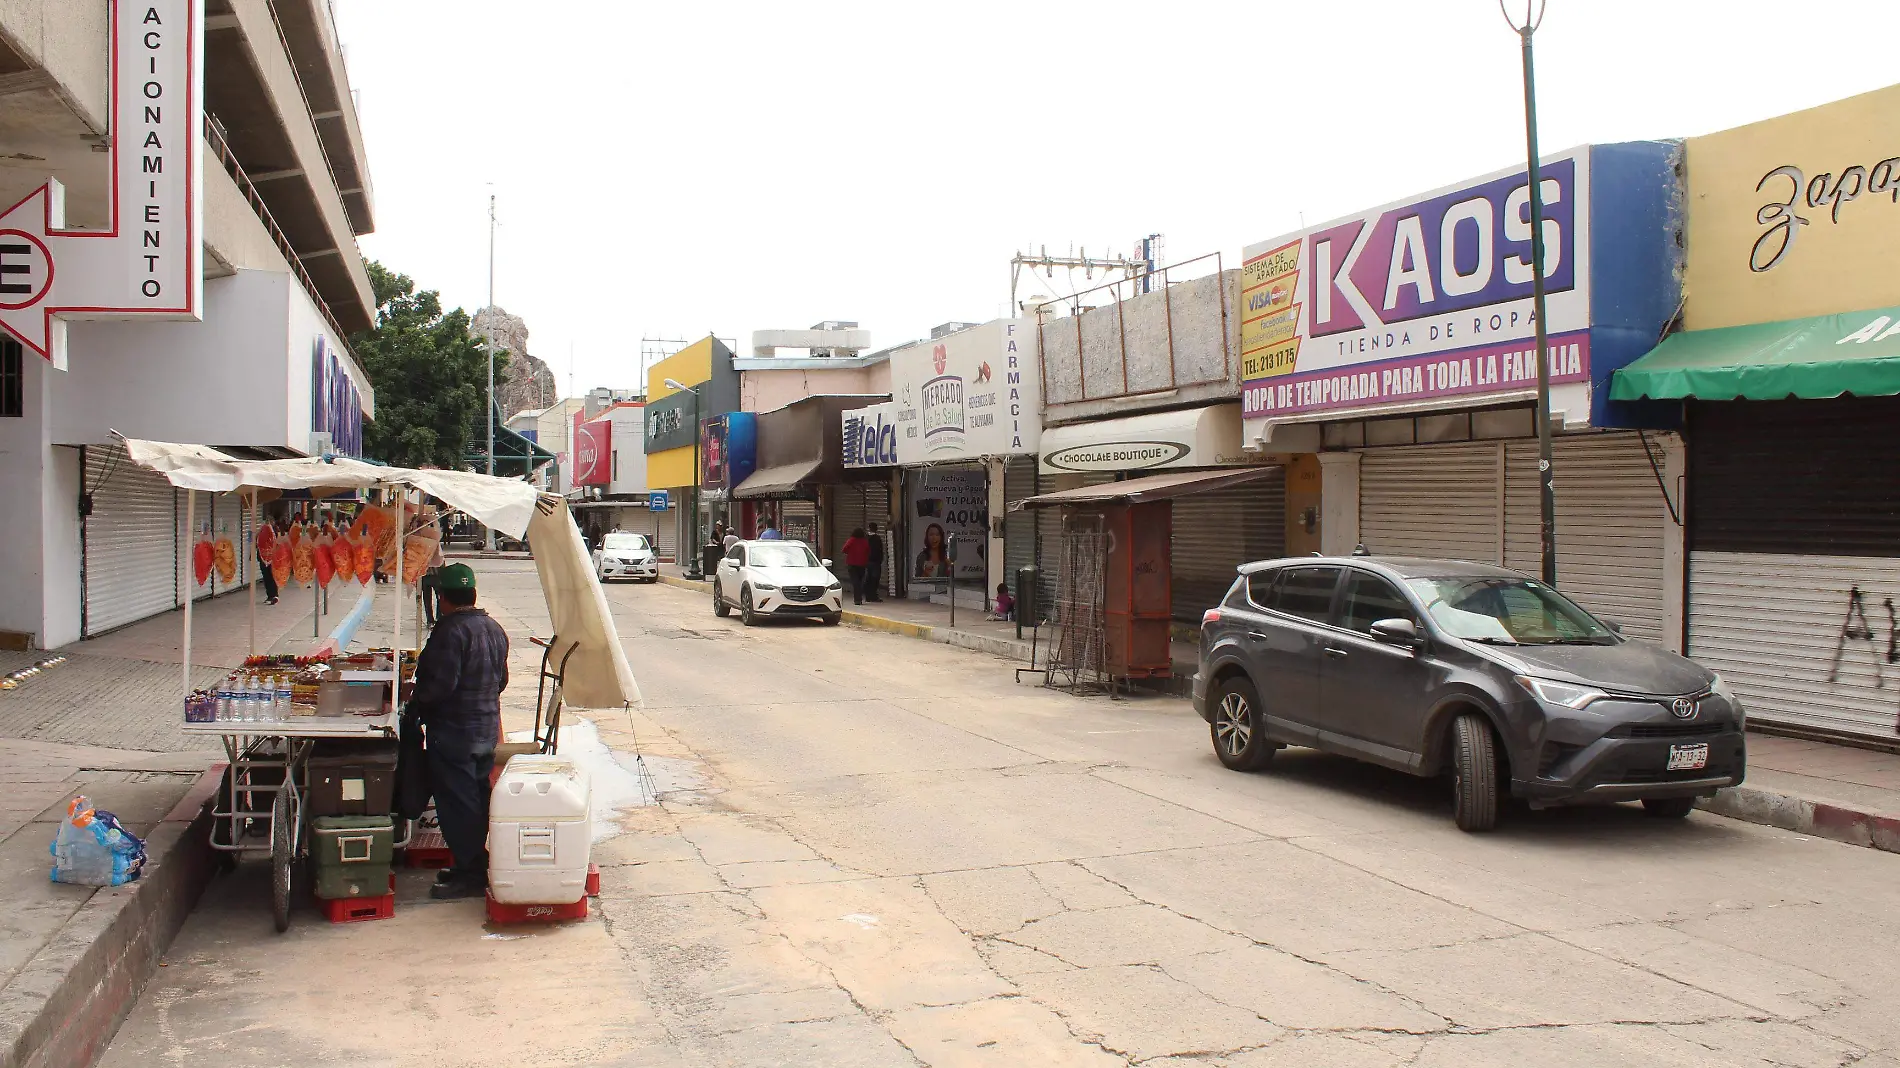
x=1474 y=773
x=1239 y=741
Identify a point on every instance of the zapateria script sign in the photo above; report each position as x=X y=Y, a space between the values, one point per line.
x=146 y=262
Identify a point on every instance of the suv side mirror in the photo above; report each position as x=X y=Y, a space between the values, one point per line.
x=1395 y=632
x=1615 y=628
x=826 y=562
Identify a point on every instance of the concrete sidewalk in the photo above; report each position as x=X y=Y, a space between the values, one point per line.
x=105 y=724
x=1819 y=788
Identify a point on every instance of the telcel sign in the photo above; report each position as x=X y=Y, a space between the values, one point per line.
x=593 y=453
x=1426 y=298
x=146 y=262
x=870 y=436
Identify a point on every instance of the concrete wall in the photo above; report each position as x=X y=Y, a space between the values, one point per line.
x=240 y=377
x=1173 y=345
x=70 y=40
x=39 y=525
x=234 y=236
x=765 y=391
x=629 y=447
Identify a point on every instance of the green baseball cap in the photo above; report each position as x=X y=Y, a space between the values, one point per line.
x=456 y=577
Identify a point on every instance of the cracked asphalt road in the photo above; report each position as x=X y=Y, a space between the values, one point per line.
x=893 y=855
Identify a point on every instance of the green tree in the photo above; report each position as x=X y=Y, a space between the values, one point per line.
x=429 y=372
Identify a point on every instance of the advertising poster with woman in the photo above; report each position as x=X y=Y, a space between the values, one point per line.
x=946 y=503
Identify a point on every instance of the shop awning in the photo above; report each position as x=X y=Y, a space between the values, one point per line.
x=781 y=481
x=1151 y=488
x=514 y=453
x=1183 y=437
x=1854 y=353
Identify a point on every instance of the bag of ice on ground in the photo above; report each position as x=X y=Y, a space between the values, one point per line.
x=93 y=849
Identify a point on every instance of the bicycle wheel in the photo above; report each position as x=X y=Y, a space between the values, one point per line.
x=280 y=847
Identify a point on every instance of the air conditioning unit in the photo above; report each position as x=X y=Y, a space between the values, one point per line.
x=321 y=443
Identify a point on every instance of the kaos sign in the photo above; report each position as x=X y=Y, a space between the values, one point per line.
x=146 y=261
x=1424 y=298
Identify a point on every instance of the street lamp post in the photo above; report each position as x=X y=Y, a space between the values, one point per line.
x=488 y=417
x=1546 y=474
x=693 y=570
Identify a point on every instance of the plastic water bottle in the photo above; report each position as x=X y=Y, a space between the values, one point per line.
x=282 y=696
x=225 y=713
x=251 y=712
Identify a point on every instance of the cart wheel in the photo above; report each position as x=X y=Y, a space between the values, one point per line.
x=280 y=861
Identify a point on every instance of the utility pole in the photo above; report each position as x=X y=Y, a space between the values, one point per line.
x=488 y=417
x=1546 y=475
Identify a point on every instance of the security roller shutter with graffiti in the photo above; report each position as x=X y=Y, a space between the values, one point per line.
x=1794 y=561
x=1214 y=533
x=1019 y=527
x=1431 y=500
x=131 y=542
x=1611 y=519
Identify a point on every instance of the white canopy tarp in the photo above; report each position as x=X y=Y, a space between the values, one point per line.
x=596 y=675
x=504 y=504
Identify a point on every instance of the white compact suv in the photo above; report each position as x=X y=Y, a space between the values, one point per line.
x=776 y=578
x=623 y=555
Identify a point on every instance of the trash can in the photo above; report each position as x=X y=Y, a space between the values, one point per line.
x=709 y=556
x=1027 y=609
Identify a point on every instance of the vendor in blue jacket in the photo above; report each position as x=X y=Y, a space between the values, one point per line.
x=459 y=679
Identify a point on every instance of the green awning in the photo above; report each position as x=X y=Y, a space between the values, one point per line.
x=1854 y=353
x=514 y=453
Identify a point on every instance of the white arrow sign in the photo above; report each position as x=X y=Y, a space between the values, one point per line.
x=147 y=261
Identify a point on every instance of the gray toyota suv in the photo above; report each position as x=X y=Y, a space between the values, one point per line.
x=1430 y=666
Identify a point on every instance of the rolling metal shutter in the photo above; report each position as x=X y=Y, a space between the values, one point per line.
x=849 y=511
x=1611 y=519
x=131 y=542
x=1432 y=500
x=798 y=521
x=1214 y=533
x=1806 y=641
x=1794 y=560
x=1019 y=527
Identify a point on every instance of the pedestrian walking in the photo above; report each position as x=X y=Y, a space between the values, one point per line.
x=857 y=557
x=431 y=587
x=459 y=680
x=266 y=545
x=874 y=568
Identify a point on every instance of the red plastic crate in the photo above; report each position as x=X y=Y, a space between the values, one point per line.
x=356 y=909
x=593 y=880
x=500 y=913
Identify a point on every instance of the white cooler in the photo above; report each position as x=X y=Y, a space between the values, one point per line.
x=540 y=832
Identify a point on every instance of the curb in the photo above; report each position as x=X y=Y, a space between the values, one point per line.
x=62 y=1009
x=1821 y=819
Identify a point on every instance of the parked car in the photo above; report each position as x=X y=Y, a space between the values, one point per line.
x=1430 y=666
x=776 y=578
x=624 y=555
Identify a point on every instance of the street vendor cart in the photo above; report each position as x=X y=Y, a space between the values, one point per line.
x=262 y=805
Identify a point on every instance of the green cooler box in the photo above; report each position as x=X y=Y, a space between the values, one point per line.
x=352 y=855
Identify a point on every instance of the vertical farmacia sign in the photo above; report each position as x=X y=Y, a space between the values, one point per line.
x=147 y=261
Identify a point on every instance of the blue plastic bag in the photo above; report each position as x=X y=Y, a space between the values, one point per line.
x=93 y=849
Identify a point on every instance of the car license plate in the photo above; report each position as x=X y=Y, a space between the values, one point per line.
x=1688 y=757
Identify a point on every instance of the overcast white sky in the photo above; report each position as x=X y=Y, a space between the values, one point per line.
x=670 y=169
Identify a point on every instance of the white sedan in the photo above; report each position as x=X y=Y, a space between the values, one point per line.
x=776 y=578
x=623 y=555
